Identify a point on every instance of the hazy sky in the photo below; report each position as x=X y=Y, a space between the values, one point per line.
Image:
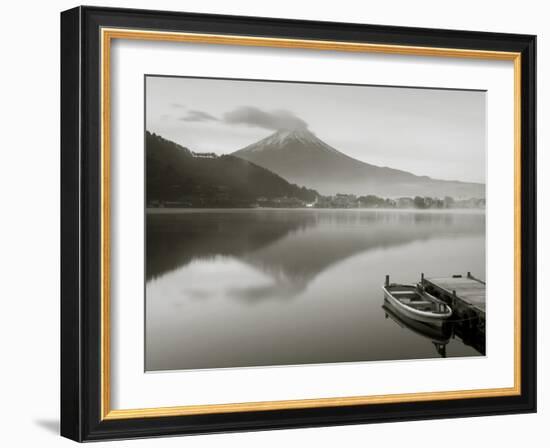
x=437 y=133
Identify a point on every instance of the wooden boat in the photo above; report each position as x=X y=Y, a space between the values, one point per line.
x=413 y=302
x=438 y=334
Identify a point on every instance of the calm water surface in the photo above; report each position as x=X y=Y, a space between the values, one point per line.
x=233 y=288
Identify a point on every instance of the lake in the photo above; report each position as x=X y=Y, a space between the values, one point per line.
x=259 y=287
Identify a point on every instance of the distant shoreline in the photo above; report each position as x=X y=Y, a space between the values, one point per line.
x=175 y=210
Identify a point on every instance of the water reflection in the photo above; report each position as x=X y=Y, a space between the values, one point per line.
x=292 y=247
x=175 y=239
x=229 y=288
x=439 y=335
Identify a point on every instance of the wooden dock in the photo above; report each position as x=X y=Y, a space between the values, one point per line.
x=464 y=293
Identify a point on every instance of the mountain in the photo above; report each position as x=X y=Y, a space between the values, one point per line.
x=179 y=176
x=301 y=157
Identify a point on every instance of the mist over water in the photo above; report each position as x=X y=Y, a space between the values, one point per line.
x=235 y=288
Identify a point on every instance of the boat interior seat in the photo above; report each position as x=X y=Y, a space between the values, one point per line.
x=420 y=303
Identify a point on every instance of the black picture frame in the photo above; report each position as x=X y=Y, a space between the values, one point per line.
x=81 y=224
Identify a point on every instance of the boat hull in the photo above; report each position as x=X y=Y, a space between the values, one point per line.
x=438 y=334
x=423 y=316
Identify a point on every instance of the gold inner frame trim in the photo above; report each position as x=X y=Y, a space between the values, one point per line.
x=107 y=35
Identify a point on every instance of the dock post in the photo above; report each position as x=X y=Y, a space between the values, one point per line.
x=469 y=275
x=454 y=298
x=422 y=278
x=387 y=280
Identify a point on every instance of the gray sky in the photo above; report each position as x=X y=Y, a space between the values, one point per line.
x=437 y=133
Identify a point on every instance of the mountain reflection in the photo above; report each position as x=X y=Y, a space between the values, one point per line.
x=290 y=246
x=176 y=239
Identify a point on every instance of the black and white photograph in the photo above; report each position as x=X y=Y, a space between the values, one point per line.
x=294 y=223
x=275 y=224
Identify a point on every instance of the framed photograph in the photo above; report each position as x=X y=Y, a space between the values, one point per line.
x=274 y=223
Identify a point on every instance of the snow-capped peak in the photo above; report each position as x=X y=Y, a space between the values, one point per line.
x=284 y=137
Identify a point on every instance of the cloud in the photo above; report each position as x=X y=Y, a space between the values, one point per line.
x=251 y=116
x=178 y=105
x=274 y=120
x=198 y=115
